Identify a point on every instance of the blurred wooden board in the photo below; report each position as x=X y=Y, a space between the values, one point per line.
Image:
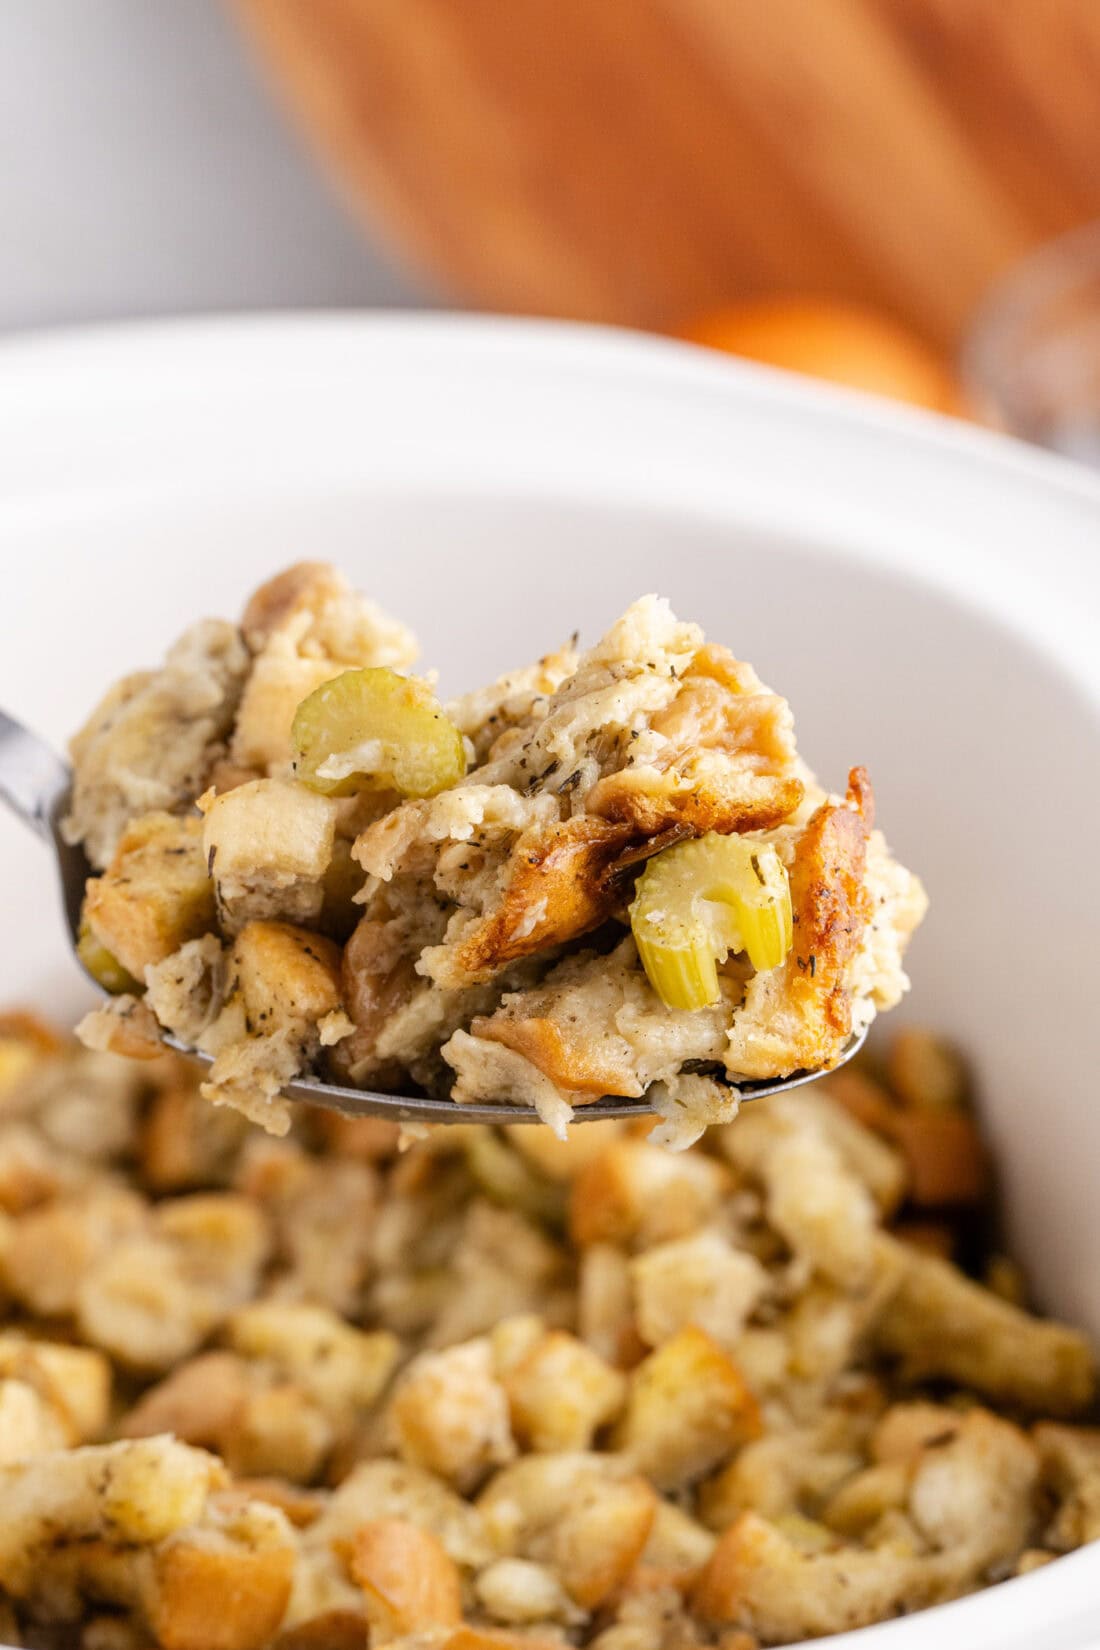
x=636 y=160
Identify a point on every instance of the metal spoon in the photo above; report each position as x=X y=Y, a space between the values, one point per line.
x=36 y=783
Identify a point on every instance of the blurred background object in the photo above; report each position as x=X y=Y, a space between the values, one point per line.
x=843 y=343
x=831 y=186
x=1032 y=358
x=148 y=171
x=641 y=160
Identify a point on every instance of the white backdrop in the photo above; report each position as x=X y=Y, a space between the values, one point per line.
x=146 y=169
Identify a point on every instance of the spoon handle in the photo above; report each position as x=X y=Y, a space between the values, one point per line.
x=32 y=776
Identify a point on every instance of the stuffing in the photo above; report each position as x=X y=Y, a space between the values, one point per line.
x=450 y=1414
x=268 y=844
x=636 y=1196
x=701 y=1280
x=74 y=1382
x=1069 y=1460
x=470 y=915
x=410 y=1583
x=759 y=1579
x=495 y=1391
x=136 y=1492
x=939 y=1323
x=586 y=1516
x=155 y=895
x=269 y=1007
x=151 y=742
x=688 y=1407
x=561 y=1393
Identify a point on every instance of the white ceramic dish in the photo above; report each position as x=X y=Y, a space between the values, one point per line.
x=927 y=596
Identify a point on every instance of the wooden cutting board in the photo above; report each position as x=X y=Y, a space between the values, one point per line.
x=637 y=160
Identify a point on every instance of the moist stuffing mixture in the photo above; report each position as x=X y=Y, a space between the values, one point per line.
x=609 y=873
x=504 y=1392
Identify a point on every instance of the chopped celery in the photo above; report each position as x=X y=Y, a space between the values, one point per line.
x=698 y=901
x=372 y=729
x=103 y=966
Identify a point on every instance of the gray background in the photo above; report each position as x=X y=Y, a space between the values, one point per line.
x=146 y=169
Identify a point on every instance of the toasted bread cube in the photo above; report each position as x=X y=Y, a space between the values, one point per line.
x=826 y=1215
x=585 y=1515
x=29 y=1425
x=391 y=1489
x=759 y=1579
x=185 y=1144
x=561 y=1393
x=518 y=1591
x=863 y=1499
x=226 y=1585
x=134 y=1493
x=409 y=1581
x=155 y=894
x=564 y=1159
x=775 y=1474
x=313 y=604
x=268 y=844
x=600 y=1537
x=222 y=1239
x=280 y=679
x=701 y=1280
x=287 y=976
x=199 y=1402
x=52 y=1250
x=678 y=1544
x=451 y=1415
x=469 y=1637
x=972 y=1497
x=344 y=1369
x=688 y=1407
x=74 y=1380
x=605 y=1310
x=636 y=1193
x=279 y=1432
x=861 y=1149
x=140 y=1306
x=905 y=1429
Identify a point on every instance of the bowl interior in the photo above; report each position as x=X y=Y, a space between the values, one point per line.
x=969 y=732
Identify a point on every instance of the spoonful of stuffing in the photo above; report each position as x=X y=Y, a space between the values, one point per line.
x=604 y=885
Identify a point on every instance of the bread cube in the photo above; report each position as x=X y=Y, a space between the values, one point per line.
x=74 y=1380
x=280 y=679
x=268 y=844
x=451 y=1414
x=225 y=1585
x=155 y=894
x=286 y=976
x=409 y=1582
x=345 y=1370
x=601 y=1536
x=688 y=1407
x=561 y=1393
x=701 y=1280
x=640 y=1194
x=28 y=1424
x=760 y=1580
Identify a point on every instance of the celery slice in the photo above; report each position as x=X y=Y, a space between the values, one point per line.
x=103 y=965
x=372 y=729
x=700 y=900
